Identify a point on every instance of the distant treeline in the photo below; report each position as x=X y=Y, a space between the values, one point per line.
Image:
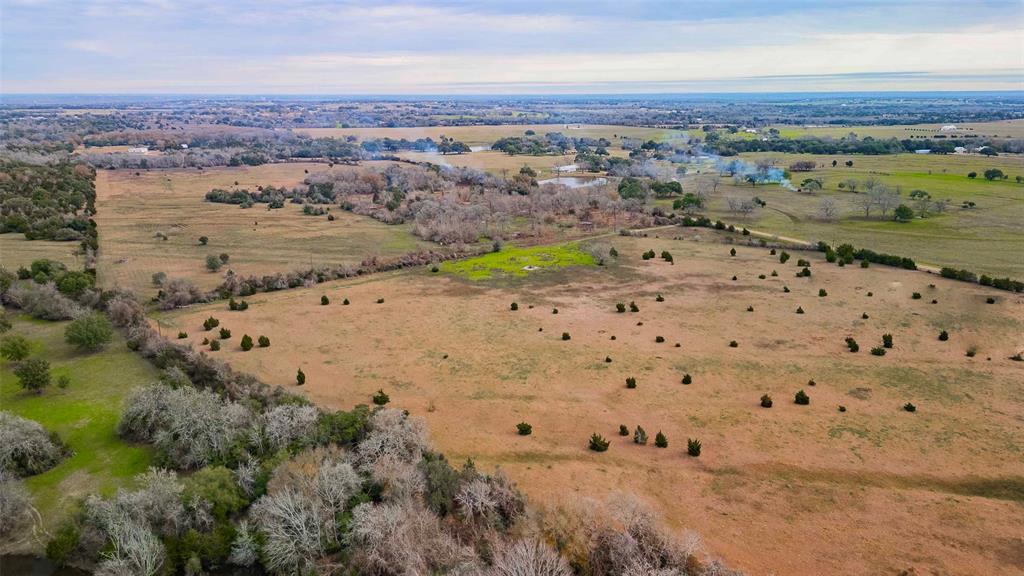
x=867 y=146
x=445 y=146
x=48 y=202
x=552 y=143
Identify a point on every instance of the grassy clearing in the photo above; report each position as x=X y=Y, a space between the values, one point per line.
x=519 y=261
x=16 y=251
x=85 y=415
x=133 y=208
x=1001 y=129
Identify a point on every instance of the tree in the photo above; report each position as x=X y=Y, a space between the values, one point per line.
x=524 y=429
x=203 y=240
x=993 y=174
x=324 y=300
x=89 y=332
x=693 y=447
x=972 y=175
x=887 y=340
x=246 y=342
x=598 y=443
x=903 y=213
x=640 y=435
x=828 y=210
x=213 y=263
x=33 y=374
x=15 y=348
x=381 y=398
x=766 y=401
x=300 y=377
x=802 y=398
x=264 y=342
x=851 y=185
x=660 y=440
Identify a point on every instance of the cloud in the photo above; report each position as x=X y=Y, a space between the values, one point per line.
x=90 y=46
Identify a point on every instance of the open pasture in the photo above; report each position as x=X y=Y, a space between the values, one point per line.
x=486 y=135
x=84 y=415
x=134 y=206
x=986 y=238
x=791 y=489
x=499 y=163
x=16 y=251
x=999 y=129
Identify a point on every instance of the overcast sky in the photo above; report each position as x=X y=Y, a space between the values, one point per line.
x=489 y=47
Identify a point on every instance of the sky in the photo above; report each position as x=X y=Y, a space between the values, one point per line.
x=496 y=47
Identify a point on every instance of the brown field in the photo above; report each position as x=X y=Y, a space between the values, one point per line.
x=133 y=208
x=486 y=135
x=16 y=251
x=999 y=129
x=790 y=490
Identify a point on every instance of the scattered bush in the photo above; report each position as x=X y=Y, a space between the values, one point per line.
x=554 y=310
x=324 y=300
x=785 y=289
x=732 y=251
x=33 y=374
x=659 y=339
x=89 y=332
x=210 y=323
x=990 y=300
x=345 y=302
x=264 y=342
x=659 y=298
x=887 y=340
x=27 y=448
x=733 y=344
x=852 y=344
x=822 y=293
x=380 y=300
x=640 y=435
x=215 y=345
x=598 y=443
x=514 y=307
x=916 y=296
x=620 y=307
x=910 y=407
x=766 y=401
x=300 y=377
x=630 y=382
x=15 y=348
x=213 y=263
x=943 y=336
x=565 y=336
x=750 y=308
x=633 y=307
x=225 y=334
x=182 y=335
x=246 y=342
x=693 y=447
x=802 y=398
x=878 y=351
x=971 y=352
x=660 y=440
x=381 y=398
x=524 y=429
x=623 y=430
x=687 y=379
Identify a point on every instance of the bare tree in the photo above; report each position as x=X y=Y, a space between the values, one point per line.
x=529 y=558
x=828 y=210
x=851 y=184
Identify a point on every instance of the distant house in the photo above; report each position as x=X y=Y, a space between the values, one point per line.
x=750 y=131
x=960 y=150
x=948 y=128
x=138 y=150
x=923 y=151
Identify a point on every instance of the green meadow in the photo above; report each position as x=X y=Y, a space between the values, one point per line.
x=511 y=261
x=84 y=415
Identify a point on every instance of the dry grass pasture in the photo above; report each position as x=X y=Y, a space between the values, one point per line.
x=787 y=490
x=997 y=129
x=133 y=206
x=16 y=251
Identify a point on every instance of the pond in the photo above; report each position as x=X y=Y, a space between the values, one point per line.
x=574 y=182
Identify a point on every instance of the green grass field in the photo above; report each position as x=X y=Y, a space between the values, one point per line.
x=84 y=415
x=16 y=251
x=987 y=238
x=519 y=261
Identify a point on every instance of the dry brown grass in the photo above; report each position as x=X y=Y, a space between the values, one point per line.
x=790 y=490
x=133 y=208
x=16 y=251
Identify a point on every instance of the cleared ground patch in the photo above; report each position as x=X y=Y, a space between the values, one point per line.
x=134 y=206
x=807 y=484
x=84 y=415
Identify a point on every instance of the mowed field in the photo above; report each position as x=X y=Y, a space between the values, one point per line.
x=133 y=208
x=988 y=238
x=486 y=135
x=787 y=490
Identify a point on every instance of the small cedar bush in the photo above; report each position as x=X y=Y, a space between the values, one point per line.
x=264 y=342
x=633 y=307
x=598 y=443
x=182 y=335
x=887 y=340
x=812 y=383
x=693 y=447
x=864 y=264
x=842 y=408
x=804 y=273
x=783 y=257
x=380 y=300
x=785 y=289
x=761 y=276
x=381 y=398
x=990 y=300
x=733 y=344
x=660 y=440
x=775 y=273
x=822 y=293
x=435 y=269
x=565 y=336
x=878 y=351
x=766 y=401
x=623 y=430
x=524 y=429
x=345 y=302
x=608 y=359
x=750 y=308
x=659 y=298
x=211 y=323
x=916 y=295
x=910 y=407
x=243 y=305
x=631 y=382
x=640 y=435
x=300 y=377
x=799 y=309
x=870 y=294
x=971 y=351
x=943 y=336
x=864 y=316
x=225 y=334
x=620 y=307
x=514 y=307
x=732 y=252
x=215 y=345
x=734 y=278
x=206 y=341
x=659 y=339
x=687 y=379
x=772 y=252
x=803 y=263
x=324 y=300
x=246 y=342
x=802 y=398
x=852 y=344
